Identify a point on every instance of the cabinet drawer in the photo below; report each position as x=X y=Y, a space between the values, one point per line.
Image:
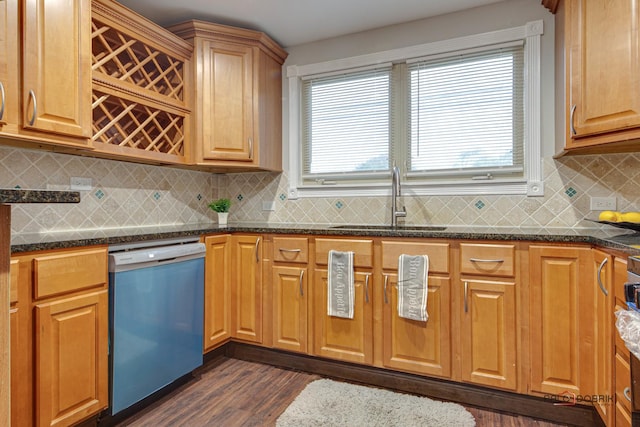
x=291 y=249
x=438 y=254
x=14 y=269
x=362 y=249
x=66 y=272
x=487 y=259
x=623 y=379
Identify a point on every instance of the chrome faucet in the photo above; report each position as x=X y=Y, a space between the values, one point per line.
x=395 y=192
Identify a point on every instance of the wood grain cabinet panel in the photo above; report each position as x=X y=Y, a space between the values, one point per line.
x=562 y=333
x=602 y=286
x=602 y=65
x=71 y=358
x=350 y=340
x=290 y=313
x=419 y=347
x=64 y=272
x=217 y=291
x=291 y=249
x=56 y=87
x=9 y=66
x=489 y=348
x=488 y=259
x=246 y=288
x=238 y=96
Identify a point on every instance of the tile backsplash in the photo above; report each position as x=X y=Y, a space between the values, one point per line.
x=122 y=195
x=569 y=184
x=131 y=195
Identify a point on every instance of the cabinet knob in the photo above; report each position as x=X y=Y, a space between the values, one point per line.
x=573 y=113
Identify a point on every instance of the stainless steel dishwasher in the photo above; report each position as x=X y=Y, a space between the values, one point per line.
x=156 y=308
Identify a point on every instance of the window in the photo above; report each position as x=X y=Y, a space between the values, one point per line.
x=466 y=114
x=346 y=123
x=457 y=117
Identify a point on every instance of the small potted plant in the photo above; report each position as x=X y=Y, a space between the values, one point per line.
x=221 y=206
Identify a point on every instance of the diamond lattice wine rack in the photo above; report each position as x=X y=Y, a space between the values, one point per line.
x=140 y=78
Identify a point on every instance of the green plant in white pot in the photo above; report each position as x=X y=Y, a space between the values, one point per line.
x=221 y=206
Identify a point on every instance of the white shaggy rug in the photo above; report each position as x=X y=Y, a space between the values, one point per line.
x=332 y=403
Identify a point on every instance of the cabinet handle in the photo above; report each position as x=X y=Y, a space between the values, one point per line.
x=2 y=99
x=573 y=113
x=599 y=277
x=366 y=289
x=466 y=291
x=250 y=148
x=257 y=246
x=627 y=393
x=32 y=97
x=290 y=250
x=386 y=281
x=486 y=260
x=301 y=288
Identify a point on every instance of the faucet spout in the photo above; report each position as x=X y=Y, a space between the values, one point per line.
x=395 y=192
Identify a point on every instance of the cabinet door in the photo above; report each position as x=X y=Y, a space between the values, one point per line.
x=56 y=91
x=603 y=64
x=217 y=291
x=421 y=347
x=561 y=319
x=290 y=308
x=9 y=65
x=603 y=324
x=488 y=339
x=349 y=340
x=227 y=101
x=71 y=339
x=246 y=288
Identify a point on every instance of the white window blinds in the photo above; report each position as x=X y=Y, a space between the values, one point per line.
x=466 y=114
x=346 y=128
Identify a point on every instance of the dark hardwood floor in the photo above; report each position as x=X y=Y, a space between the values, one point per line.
x=231 y=392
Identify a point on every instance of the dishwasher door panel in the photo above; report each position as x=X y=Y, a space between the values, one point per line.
x=157 y=326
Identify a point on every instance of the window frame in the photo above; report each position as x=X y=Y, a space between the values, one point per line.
x=530 y=184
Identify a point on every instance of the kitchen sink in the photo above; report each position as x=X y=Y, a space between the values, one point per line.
x=391 y=228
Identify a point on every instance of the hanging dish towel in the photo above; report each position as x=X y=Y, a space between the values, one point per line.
x=412 y=287
x=341 y=287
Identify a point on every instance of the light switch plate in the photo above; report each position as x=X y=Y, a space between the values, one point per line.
x=80 y=184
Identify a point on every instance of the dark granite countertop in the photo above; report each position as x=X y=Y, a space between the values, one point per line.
x=13 y=195
x=608 y=237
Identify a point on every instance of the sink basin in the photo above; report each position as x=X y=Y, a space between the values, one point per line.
x=390 y=228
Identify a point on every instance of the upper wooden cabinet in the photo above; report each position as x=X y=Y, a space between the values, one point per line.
x=141 y=84
x=602 y=67
x=46 y=87
x=238 y=97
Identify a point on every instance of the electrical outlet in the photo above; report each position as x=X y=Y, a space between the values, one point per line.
x=269 y=206
x=603 y=203
x=80 y=184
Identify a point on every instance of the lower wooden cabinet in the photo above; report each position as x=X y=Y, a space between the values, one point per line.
x=217 y=291
x=71 y=357
x=604 y=319
x=289 y=297
x=419 y=347
x=60 y=339
x=561 y=319
x=489 y=333
x=349 y=340
x=246 y=288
